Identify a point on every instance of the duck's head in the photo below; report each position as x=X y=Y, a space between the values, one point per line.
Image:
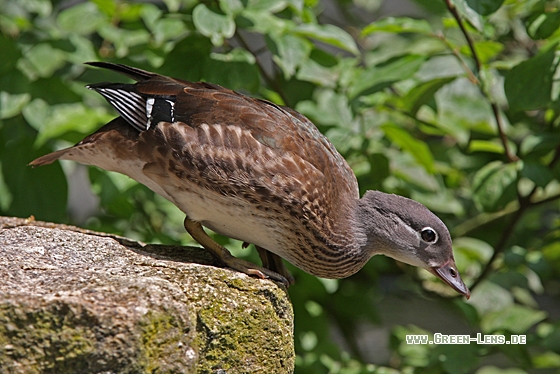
x=409 y=232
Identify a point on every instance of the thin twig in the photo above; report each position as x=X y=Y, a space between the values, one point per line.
x=472 y=76
x=510 y=156
x=524 y=204
x=495 y=109
x=499 y=247
x=467 y=227
x=453 y=10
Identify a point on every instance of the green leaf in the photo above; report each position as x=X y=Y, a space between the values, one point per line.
x=10 y=54
x=516 y=319
x=490 y=298
x=461 y=109
x=84 y=50
x=474 y=18
x=552 y=252
x=271 y=6
x=113 y=191
x=314 y=72
x=473 y=249
x=486 y=146
x=547 y=360
x=12 y=104
x=417 y=148
x=444 y=66
x=40 y=192
x=440 y=201
x=537 y=173
x=231 y=7
x=131 y=11
x=485 y=7
x=496 y=370
x=167 y=29
x=292 y=52
x=455 y=360
x=485 y=50
x=263 y=22
x=233 y=70
x=495 y=185
x=81 y=19
x=423 y=93
x=41 y=7
x=55 y=121
x=528 y=85
x=329 y=34
x=538 y=145
x=175 y=5
x=123 y=39
x=42 y=60
x=379 y=171
x=380 y=76
x=329 y=108
x=215 y=26
x=235 y=55
x=108 y=7
x=398 y=25
x=543 y=25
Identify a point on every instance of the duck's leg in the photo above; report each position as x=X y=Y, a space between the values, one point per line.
x=275 y=263
x=223 y=255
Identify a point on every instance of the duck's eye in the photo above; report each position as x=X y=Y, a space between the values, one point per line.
x=428 y=235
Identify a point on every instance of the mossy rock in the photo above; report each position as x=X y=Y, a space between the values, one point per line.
x=75 y=301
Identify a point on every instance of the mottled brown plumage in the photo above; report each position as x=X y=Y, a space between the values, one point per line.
x=257 y=172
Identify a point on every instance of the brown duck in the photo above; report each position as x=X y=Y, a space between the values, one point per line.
x=260 y=173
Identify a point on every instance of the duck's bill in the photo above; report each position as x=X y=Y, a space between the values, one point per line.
x=449 y=274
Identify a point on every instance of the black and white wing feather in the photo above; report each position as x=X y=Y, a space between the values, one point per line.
x=141 y=111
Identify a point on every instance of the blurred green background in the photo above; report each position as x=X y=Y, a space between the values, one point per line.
x=470 y=129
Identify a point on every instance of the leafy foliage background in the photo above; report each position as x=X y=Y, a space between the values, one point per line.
x=455 y=106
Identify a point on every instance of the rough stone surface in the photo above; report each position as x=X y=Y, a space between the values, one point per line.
x=75 y=301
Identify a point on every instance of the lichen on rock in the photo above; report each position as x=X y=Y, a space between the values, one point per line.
x=76 y=301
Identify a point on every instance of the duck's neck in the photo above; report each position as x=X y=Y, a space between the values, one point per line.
x=377 y=226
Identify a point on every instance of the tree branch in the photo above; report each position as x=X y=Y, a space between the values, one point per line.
x=453 y=10
x=524 y=204
x=500 y=246
x=472 y=76
x=472 y=224
x=511 y=157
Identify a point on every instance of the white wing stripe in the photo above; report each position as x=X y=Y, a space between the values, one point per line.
x=129 y=104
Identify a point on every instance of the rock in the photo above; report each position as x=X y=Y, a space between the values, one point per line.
x=76 y=301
